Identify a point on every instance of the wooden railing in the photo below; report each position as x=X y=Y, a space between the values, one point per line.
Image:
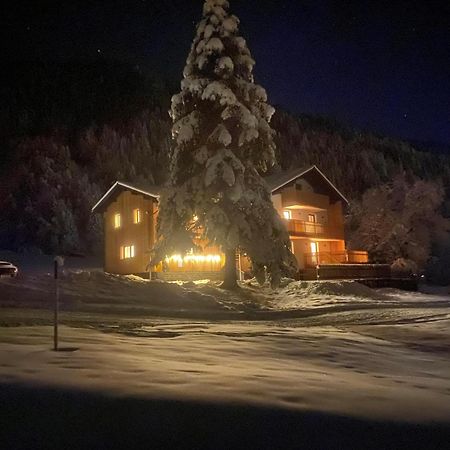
x=357 y=257
x=298 y=227
x=345 y=257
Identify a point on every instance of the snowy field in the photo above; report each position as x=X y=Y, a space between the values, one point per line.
x=381 y=374
x=333 y=348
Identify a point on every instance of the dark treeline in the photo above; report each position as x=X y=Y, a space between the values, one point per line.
x=68 y=130
x=354 y=160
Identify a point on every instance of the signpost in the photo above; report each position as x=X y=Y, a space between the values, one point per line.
x=58 y=262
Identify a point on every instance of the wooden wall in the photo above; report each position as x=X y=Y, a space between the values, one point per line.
x=141 y=235
x=336 y=221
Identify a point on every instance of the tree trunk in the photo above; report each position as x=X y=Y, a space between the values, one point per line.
x=229 y=271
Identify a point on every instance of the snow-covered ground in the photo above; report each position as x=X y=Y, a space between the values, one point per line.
x=331 y=346
x=384 y=373
x=96 y=291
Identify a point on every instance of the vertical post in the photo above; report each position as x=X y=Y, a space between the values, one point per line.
x=56 y=308
x=229 y=270
x=241 y=278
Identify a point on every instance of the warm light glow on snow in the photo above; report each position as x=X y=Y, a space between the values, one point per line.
x=194 y=258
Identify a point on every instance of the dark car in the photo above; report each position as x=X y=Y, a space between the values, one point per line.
x=8 y=269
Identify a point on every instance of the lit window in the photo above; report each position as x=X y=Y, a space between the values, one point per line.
x=137 y=216
x=127 y=252
x=117 y=220
x=312 y=218
x=287 y=214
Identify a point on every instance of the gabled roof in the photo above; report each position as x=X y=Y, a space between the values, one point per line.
x=120 y=186
x=275 y=182
x=281 y=179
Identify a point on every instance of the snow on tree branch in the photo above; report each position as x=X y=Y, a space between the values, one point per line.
x=222 y=145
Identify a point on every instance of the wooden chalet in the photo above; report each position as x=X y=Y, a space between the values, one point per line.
x=310 y=205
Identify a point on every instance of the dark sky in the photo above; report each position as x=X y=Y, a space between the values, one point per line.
x=378 y=65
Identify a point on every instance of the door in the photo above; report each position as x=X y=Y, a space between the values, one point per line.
x=314 y=253
x=311 y=224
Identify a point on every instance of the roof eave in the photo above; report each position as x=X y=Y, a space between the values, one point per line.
x=303 y=172
x=299 y=174
x=114 y=186
x=332 y=185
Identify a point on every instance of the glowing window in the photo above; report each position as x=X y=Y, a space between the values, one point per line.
x=127 y=252
x=287 y=214
x=312 y=218
x=117 y=220
x=137 y=216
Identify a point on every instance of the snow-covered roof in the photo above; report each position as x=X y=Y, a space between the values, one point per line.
x=281 y=179
x=120 y=186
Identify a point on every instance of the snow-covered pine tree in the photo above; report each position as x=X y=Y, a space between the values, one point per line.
x=222 y=143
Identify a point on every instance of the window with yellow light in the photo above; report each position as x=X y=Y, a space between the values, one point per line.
x=127 y=252
x=137 y=217
x=117 y=220
x=287 y=214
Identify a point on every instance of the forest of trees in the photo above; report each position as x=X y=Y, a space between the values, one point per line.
x=67 y=131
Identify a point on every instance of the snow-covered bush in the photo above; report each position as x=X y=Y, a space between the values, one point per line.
x=400 y=219
x=402 y=267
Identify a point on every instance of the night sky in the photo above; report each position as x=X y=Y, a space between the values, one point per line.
x=378 y=65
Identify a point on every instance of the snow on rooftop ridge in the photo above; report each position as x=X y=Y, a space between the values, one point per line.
x=277 y=180
x=150 y=191
x=147 y=189
x=221 y=135
x=280 y=179
x=215 y=6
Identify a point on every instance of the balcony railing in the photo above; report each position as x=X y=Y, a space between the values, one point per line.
x=300 y=228
x=346 y=257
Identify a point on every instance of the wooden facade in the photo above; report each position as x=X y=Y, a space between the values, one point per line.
x=129 y=223
x=309 y=204
x=312 y=210
x=128 y=243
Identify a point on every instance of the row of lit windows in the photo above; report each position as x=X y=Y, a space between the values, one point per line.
x=137 y=218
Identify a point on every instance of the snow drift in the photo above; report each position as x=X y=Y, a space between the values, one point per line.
x=96 y=290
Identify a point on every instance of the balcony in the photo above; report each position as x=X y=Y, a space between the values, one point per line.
x=300 y=228
x=346 y=257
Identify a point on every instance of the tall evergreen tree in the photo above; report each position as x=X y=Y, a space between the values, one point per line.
x=222 y=143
